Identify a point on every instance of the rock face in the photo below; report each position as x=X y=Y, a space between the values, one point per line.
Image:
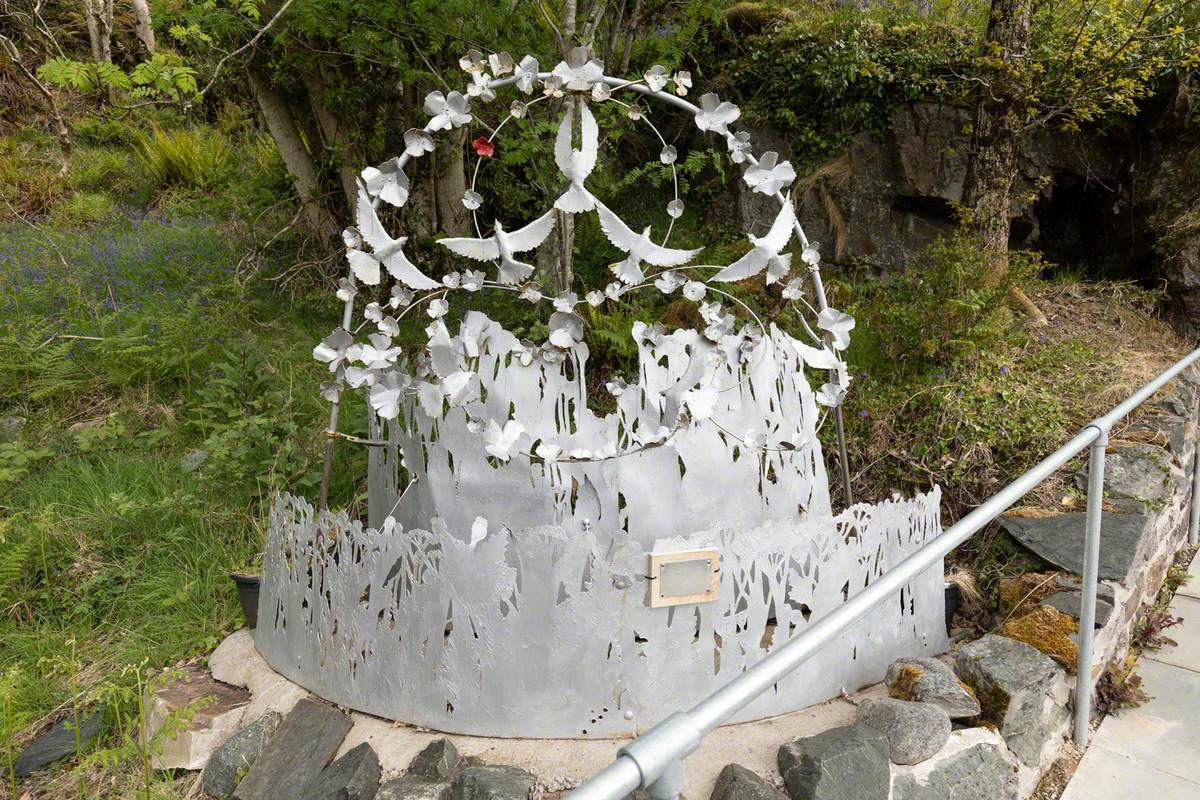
x=354 y=776
x=915 y=731
x=848 y=763
x=738 y=783
x=58 y=742
x=974 y=765
x=1014 y=683
x=229 y=762
x=412 y=787
x=216 y=710
x=1059 y=540
x=1138 y=472
x=492 y=782
x=931 y=681
x=304 y=743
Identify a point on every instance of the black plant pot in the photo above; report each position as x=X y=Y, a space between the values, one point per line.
x=247 y=589
x=953 y=601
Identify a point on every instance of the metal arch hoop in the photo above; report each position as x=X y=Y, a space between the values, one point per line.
x=671 y=99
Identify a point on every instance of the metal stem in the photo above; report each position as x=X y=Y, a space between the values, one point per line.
x=1091 y=572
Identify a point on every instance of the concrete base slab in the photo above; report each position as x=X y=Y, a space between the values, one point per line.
x=1105 y=775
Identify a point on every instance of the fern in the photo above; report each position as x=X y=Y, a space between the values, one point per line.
x=14 y=556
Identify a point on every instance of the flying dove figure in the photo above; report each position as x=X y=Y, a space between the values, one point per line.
x=765 y=253
x=638 y=246
x=576 y=165
x=384 y=250
x=502 y=245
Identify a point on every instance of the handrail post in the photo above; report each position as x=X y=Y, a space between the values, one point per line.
x=1091 y=572
x=669 y=785
x=1194 y=522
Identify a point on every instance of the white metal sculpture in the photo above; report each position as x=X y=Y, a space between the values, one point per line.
x=503 y=586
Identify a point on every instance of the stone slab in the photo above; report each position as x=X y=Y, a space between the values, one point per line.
x=1186 y=650
x=213 y=711
x=229 y=762
x=1105 y=775
x=302 y=746
x=354 y=776
x=974 y=764
x=1162 y=732
x=58 y=742
x=1137 y=472
x=1059 y=540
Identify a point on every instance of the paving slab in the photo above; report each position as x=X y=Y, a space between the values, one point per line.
x=1186 y=650
x=1105 y=775
x=1192 y=587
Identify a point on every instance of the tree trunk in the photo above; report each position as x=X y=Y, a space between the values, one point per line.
x=450 y=183
x=99 y=23
x=335 y=134
x=296 y=157
x=142 y=25
x=995 y=136
x=1000 y=114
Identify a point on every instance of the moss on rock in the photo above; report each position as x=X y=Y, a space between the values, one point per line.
x=1047 y=629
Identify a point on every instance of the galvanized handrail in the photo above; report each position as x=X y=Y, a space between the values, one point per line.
x=654 y=760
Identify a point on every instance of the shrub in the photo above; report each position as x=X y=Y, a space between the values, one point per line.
x=83 y=209
x=185 y=158
x=99 y=131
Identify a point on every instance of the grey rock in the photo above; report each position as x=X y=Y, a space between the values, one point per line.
x=304 y=743
x=848 y=763
x=10 y=428
x=439 y=761
x=1071 y=602
x=492 y=782
x=1013 y=681
x=229 y=762
x=1059 y=540
x=354 y=776
x=936 y=684
x=738 y=783
x=1072 y=583
x=1138 y=472
x=915 y=731
x=412 y=787
x=981 y=771
x=58 y=742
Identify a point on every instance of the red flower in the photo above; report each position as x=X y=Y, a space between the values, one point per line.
x=483 y=147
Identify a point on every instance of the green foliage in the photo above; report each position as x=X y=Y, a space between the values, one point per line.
x=83 y=209
x=186 y=158
x=162 y=75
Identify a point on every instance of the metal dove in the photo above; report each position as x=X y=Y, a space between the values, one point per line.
x=638 y=246
x=576 y=165
x=766 y=251
x=501 y=245
x=385 y=250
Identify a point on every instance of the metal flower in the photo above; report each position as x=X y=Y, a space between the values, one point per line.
x=438 y=308
x=501 y=63
x=472 y=280
x=331 y=390
x=548 y=452
x=668 y=282
x=811 y=254
x=449 y=111
x=553 y=86
x=683 y=82
x=634 y=112
x=451 y=280
x=594 y=298
x=614 y=290
x=566 y=329
x=401 y=296
x=601 y=92
x=387 y=394
x=653 y=334
x=524 y=352
x=417 y=142
x=566 y=301
x=716 y=114
x=668 y=155
x=357 y=377
x=378 y=353
x=656 y=77
x=531 y=293
x=739 y=146
x=389 y=326
x=838 y=324
x=675 y=208
x=794 y=289
x=770 y=175
x=579 y=71
x=480 y=87
x=346 y=290
x=472 y=199
x=332 y=349
x=472 y=62
x=527 y=74
x=617 y=386
x=694 y=291
x=387 y=182
x=517 y=109
x=373 y=312
x=503 y=442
